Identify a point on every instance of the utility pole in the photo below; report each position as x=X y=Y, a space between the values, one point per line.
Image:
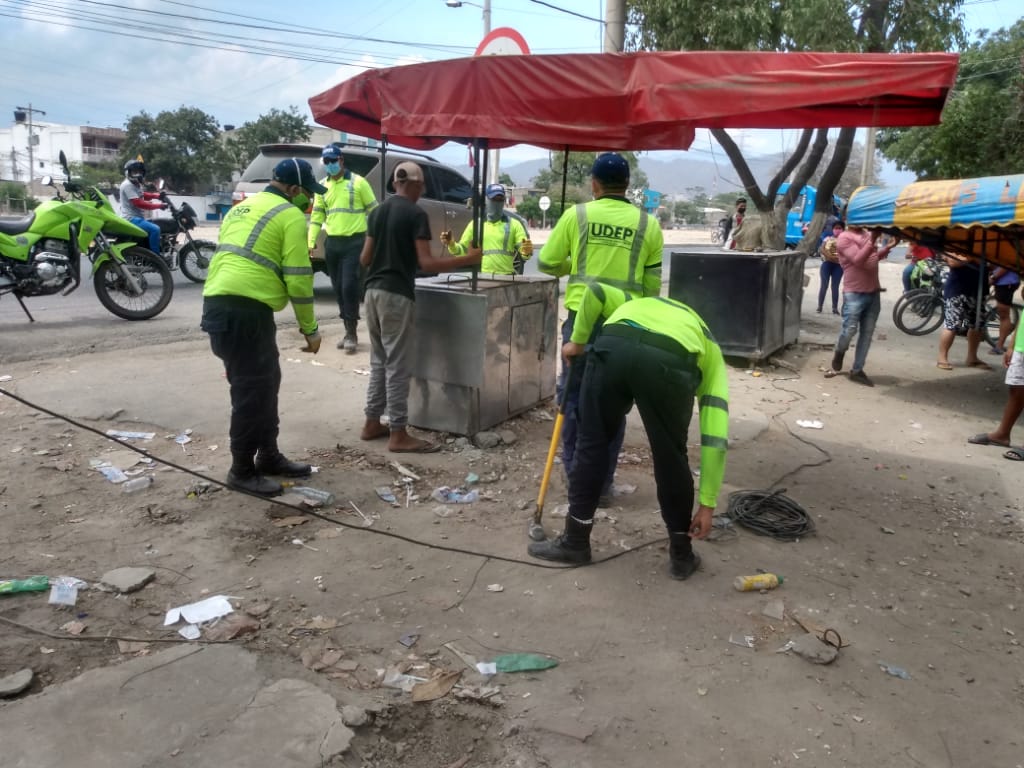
x=614 y=26
x=867 y=168
x=31 y=136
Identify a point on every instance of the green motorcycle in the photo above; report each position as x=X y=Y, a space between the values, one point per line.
x=40 y=254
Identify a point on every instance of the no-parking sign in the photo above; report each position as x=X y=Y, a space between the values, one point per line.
x=503 y=41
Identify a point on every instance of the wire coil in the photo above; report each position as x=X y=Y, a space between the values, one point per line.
x=770 y=513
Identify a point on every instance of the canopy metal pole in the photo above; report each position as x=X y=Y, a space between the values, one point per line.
x=565 y=178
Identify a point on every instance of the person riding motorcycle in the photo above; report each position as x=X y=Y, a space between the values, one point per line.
x=137 y=204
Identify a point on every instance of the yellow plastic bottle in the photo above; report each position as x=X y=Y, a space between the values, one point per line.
x=757 y=582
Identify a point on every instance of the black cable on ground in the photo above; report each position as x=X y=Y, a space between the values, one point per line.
x=770 y=513
x=307 y=511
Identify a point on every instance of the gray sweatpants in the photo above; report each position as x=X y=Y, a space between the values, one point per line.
x=389 y=321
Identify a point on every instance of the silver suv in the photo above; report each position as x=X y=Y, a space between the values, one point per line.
x=446 y=192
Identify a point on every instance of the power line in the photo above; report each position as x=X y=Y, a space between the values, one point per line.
x=554 y=7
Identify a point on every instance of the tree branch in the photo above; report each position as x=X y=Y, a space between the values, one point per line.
x=791 y=162
x=739 y=163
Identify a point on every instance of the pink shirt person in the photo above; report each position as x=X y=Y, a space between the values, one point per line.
x=859 y=259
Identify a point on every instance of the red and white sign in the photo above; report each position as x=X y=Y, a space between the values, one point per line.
x=503 y=41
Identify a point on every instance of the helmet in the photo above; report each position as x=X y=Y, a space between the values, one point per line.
x=135 y=170
x=330 y=153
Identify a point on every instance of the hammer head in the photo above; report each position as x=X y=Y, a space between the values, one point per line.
x=537 y=532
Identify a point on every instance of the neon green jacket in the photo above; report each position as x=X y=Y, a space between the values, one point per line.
x=502 y=239
x=342 y=210
x=608 y=239
x=674 y=319
x=261 y=254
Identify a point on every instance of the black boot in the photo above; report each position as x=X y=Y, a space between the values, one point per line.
x=272 y=462
x=349 y=342
x=573 y=546
x=244 y=477
x=837 y=361
x=683 y=561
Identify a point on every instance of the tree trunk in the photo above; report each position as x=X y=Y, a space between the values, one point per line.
x=826 y=187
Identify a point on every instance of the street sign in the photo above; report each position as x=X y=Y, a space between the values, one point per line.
x=503 y=41
x=544 y=203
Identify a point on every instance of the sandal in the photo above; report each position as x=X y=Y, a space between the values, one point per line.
x=980 y=364
x=984 y=439
x=944 y=366
x=1014 y=454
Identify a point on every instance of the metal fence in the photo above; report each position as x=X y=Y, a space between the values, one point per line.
x=13 y=206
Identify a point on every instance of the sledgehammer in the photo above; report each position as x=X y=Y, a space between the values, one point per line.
x=536 y=529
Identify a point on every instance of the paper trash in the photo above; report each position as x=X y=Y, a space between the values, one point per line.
x=131 y=435
x=196 y=613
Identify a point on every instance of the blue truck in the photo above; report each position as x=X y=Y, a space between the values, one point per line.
x=802 y=211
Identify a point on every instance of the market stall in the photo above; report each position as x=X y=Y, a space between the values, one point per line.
x=599 y=102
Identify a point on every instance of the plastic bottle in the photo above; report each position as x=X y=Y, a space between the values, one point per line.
x=324 y=498
x=757 y=582
x=137 y=484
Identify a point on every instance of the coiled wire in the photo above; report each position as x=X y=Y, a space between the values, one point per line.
x=770 y=513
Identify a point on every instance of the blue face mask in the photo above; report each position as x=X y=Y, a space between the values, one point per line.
x=333 y=169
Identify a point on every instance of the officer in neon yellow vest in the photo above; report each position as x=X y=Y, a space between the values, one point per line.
x=611 y=240
x=342 y=212
x=505 y=237
x=659 y=354
x=260 y=265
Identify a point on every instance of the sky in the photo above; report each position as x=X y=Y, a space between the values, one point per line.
x=100 y=62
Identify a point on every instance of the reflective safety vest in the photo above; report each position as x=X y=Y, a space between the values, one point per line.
x=501 y=243
x=261 y=254
x=342 y=210
x=609 y=240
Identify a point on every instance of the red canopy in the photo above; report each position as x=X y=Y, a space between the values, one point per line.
x=635 y=101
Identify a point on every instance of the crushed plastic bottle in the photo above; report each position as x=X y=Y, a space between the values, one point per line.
x=324 y=498
x=137 y=484
x=447 y=495
x=31 y=584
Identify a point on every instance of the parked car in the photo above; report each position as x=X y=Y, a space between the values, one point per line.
x=446 y=192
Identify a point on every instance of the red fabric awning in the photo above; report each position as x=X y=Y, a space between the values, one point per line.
x=634 y=101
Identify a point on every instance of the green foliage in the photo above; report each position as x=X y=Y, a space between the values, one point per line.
x=982 y=129
x=106 y=176
x=505 y=179
x=183 y=147
x=529 y=206
x=277 y=126
x=14 y=196
x=687 y=212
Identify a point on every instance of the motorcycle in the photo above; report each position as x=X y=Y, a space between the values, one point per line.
x=193 y=257
x=40 y=254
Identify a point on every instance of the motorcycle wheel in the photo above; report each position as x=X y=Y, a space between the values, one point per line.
x=153 y=276
x=194 y=259
x=918 y=312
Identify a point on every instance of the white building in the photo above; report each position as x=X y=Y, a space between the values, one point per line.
x=24 y=154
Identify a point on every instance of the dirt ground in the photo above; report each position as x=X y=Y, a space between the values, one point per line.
x=915 y=564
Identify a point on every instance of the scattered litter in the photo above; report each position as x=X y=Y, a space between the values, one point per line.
x=756 y=582
x=113 y=474
x=395 y=678
x=810 y=424
x=64 y=590
x=31 y=584
x=301 y=543
x=405 y=471
x=487 y=668
x=6 y=377
x=317 y=363
x=523 y=662
x=472 y=478
x=361 y=371
x=495 y=588
x=200 y=487
x=196 y=613
x=702 y=691
x=482 y=694
x=74 y=627
x=121 y=435
x=290 y=521
x=810 y=647
x=125 y=459
x=774 y=609
x=887 y=530
x=895 y=671
x=560 y=511
x=322 y=498
x=235 y=625
x=468 y=659
x=539 y=414
x=367 y=522
x=137 y=484
x=385 y=494
x=447 y=495
x=182 y=439
x=409 y=640
x=625 y=489
x=132 y=646
x=190 y=632
x=744 y=641
x=46 y=651
x=437 y=688
x=317 y=622
x=329 y=533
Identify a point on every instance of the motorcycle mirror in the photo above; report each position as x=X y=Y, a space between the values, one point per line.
x=47 y=181
x=64 y=163
x=160 y=185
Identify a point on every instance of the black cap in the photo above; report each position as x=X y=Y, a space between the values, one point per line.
x=299 y=172
x=611 y=168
